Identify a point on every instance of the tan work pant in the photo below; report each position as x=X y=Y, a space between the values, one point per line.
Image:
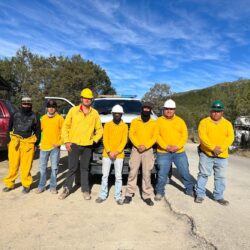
x=20 y=153
x=147 y=160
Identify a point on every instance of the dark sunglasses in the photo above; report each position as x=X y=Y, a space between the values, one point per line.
x=169 y=109
x=216 y=107
x=26 y=103
x=217 y=111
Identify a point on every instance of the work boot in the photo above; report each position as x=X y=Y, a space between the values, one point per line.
x=158 y=197
x=149 y=202
x=64 y=194
x=189 y=193
x=99 y=200
x=6 y=189
x=198 y=200
x=223 y=202
x=127 y=200
x=86 y=196
x=53 y=191
x=39 y=191
x=119 y=202
x=25 y=190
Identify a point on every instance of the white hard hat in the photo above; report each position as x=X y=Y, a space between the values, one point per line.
x=169 y=104
x=117 y=109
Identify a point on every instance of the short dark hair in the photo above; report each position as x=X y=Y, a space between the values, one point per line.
x=51 y=104
x=147 y=105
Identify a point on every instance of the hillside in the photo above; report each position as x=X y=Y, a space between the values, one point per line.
x=194 y=105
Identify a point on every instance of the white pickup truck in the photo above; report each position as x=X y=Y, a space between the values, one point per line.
x=104 y=104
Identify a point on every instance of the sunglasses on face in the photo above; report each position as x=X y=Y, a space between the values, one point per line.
x=216 y=111
x=216 y=107
x=169 y=109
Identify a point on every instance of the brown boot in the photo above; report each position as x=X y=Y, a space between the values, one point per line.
x=64 y=194
x=86 y=196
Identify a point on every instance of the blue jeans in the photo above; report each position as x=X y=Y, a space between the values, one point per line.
x=54 y=156
x=164 y=161
x=206 y=165
x=106 y=164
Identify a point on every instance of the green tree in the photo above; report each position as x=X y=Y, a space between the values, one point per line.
x=157 y=95
x=194 y=105
x=38 y=76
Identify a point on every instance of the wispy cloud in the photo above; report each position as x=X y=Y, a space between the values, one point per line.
x=138 y=43
x=7 y=48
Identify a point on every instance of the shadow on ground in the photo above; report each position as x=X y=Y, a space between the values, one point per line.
x=96 y=179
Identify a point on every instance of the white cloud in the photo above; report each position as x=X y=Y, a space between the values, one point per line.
x=139 y=42
x=8 y=49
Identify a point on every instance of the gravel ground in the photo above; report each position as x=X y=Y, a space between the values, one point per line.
x=42 y=221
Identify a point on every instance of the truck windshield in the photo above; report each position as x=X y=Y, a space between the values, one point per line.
x=104 y=106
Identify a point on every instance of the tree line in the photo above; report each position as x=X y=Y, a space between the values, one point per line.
x=194 y=105
x=38 y=76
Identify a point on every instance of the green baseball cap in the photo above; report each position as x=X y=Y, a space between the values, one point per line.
x=217 y=105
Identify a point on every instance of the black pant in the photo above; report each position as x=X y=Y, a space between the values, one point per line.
x=84 y=153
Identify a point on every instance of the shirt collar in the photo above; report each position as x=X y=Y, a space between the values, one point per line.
x=80 y=109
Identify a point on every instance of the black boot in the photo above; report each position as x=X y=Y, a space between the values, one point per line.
x=127 y=200
x=25 y=190
x=149 y=202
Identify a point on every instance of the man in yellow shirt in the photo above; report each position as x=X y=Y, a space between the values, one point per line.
x=143 y=134
x=216 y=135
x=171 y=140
x=82 y=128
x=51 y=126
x=115 y=137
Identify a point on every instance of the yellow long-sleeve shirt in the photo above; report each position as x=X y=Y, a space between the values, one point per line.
x=51 y=131
x=115 y=137
x=143 y=133
x=171 y=132
x=214 y=134
x=82 y=129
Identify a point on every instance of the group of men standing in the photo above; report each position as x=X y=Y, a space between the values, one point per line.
x=82 y=128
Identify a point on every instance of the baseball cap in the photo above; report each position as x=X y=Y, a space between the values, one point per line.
x=51 y=104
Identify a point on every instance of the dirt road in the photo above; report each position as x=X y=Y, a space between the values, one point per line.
x=42 y=221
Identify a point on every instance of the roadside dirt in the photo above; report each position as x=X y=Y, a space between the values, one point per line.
x=224 y=227
x=42 y=221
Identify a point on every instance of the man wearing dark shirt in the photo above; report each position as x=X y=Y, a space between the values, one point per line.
x=23 y=137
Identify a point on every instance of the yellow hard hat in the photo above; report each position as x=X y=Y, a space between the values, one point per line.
x=87 y=93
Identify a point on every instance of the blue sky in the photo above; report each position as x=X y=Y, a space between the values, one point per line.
x=188 y=44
